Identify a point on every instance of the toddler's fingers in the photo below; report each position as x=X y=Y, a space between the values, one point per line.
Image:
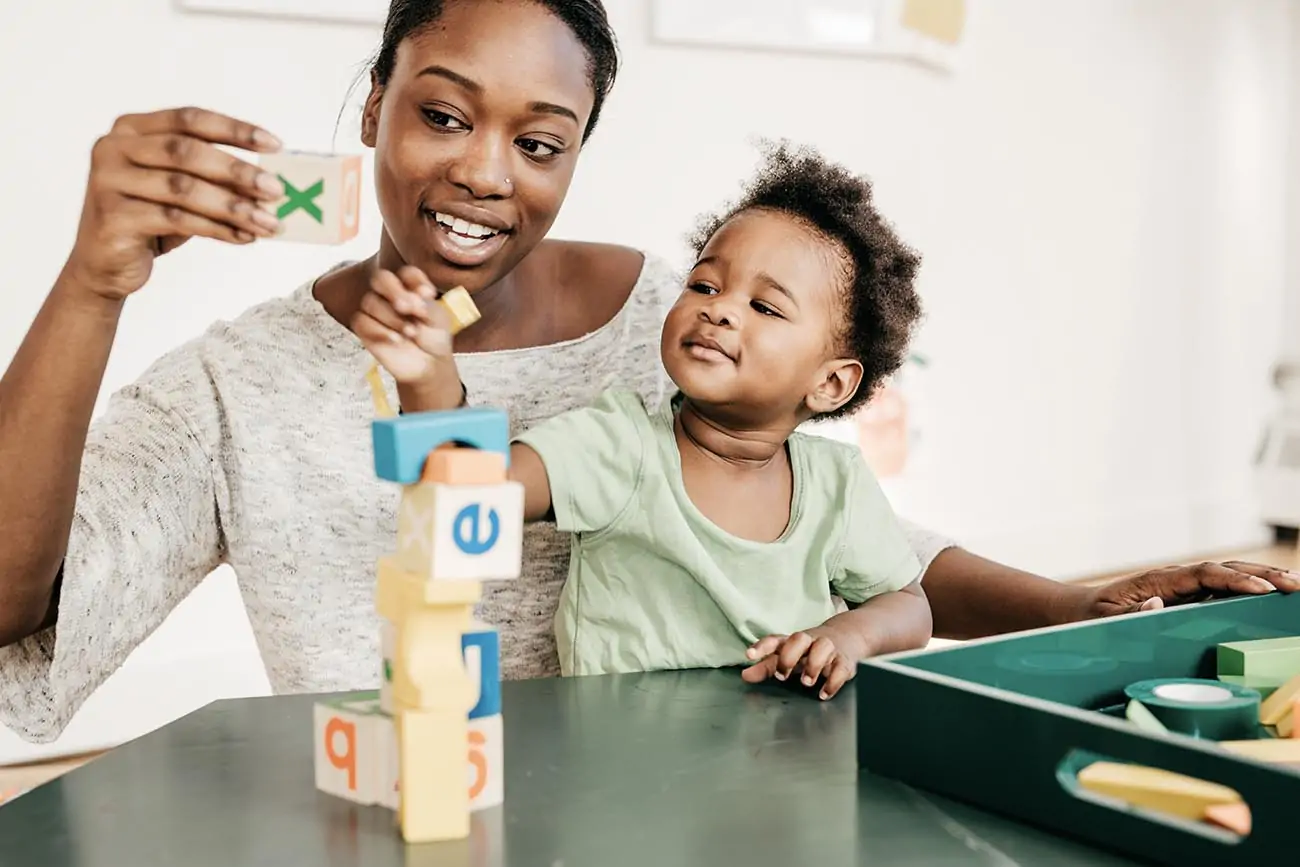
x=764 y=646
x=841 y=672
x=759 y=671
x=790 y=653
x=819 y=658
x=404 y=299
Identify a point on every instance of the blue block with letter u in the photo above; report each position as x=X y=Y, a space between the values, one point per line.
x=402 y=443
x=481 y=646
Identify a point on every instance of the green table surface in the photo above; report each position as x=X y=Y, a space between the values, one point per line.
x=670 y=768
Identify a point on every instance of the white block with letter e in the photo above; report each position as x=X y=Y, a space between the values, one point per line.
x=461 y=532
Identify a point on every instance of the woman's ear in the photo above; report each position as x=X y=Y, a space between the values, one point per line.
x=370 y=113
x=837 y=381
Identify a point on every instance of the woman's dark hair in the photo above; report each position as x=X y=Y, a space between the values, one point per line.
x=586 y=18
x=881 y=305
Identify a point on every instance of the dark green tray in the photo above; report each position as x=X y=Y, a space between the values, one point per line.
x=1005 y=723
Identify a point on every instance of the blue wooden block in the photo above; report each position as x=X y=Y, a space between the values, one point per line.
x=487 y=643
x=402 y=443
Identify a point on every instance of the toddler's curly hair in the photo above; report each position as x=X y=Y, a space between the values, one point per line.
x=881 y=307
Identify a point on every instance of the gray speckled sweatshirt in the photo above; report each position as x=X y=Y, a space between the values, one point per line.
x=250 y=445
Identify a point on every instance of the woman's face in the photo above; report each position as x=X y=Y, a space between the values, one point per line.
x=476 y=136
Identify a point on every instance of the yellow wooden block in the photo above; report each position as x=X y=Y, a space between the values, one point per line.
x=429 y=620
x=383 y=408
x=1156 y=789
x=461 y=307
x=1286 y=726
x=1280 y=750
x=434 y=800
x=428 y=664
x=400 y=590
x=1279 y=703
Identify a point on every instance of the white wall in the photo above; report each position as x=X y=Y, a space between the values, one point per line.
x=1099 y=194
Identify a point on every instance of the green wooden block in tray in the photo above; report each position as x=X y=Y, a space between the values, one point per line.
x=1265 y=659
x=1006 y=723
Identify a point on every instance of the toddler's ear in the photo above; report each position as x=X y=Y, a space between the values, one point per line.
x=836 y=383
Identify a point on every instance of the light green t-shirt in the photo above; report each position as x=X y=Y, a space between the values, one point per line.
x=654 y=584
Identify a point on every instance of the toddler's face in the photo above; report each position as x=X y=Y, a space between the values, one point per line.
x=756 y=321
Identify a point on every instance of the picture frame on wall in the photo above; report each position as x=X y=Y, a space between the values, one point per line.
x=927 y=32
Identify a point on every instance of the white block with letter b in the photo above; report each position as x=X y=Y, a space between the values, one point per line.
x=350 y=755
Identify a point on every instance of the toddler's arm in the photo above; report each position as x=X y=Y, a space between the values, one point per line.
x=578 y=468
x=889 y=622
x=878 y=576
x=898 y=620
x=527 y=469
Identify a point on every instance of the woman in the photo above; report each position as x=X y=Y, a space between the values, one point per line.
x=249 y=445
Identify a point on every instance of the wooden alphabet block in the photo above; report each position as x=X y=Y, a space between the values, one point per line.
x=402 y=443
x=487 y=770
x=349 y=747
x=322 y=195
x=482 y=648
x=461 y=532
x=462 y=466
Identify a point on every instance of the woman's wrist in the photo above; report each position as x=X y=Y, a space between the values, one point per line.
x=447 y=393
x=1071 y=604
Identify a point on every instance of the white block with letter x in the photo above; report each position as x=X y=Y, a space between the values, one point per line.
x=322 y=196
x=461 y=532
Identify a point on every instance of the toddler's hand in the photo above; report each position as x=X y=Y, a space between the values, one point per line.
x=822 y=652
x=408 y=333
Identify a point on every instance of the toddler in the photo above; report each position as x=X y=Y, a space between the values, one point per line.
x=708 y=531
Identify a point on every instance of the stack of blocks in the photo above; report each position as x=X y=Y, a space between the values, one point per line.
x=429 y=745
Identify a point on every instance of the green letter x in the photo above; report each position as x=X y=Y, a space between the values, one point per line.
x=301 y=199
